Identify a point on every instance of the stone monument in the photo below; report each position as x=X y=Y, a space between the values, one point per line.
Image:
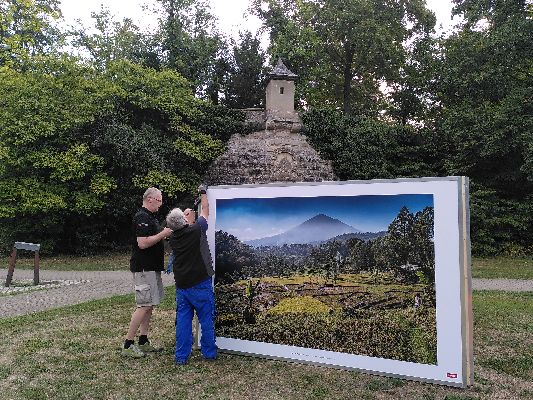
x=276 y=153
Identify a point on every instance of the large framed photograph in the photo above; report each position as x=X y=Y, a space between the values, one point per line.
x=365 y=275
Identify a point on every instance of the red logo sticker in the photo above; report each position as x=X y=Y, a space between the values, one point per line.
x=450 y=375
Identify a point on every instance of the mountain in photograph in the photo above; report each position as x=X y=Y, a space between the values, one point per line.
x=317 y=229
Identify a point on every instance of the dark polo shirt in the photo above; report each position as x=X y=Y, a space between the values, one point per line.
x=151 y=259
x=192 y=260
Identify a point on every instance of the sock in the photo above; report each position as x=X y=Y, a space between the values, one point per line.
x=143 y=339
x=128 y=343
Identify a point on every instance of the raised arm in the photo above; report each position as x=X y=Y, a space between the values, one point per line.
x=204 y=211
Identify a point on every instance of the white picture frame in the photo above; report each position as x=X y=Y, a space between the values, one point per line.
x=453 y=290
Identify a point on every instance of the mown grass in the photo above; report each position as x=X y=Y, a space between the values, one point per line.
x=104 y=262
x=501 y=267
x=73 y=353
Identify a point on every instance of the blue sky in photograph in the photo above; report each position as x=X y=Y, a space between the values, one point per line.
x=260 y=217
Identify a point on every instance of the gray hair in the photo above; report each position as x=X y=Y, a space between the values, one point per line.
x=150 y=192
x=175 y=219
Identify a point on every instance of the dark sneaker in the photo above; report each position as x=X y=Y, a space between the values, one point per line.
x=132 y=351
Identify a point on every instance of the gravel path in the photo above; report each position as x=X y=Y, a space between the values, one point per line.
x=510 y=285
x=94 y=285
x=81 y=286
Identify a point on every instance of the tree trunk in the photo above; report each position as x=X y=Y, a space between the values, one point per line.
x=348 y=76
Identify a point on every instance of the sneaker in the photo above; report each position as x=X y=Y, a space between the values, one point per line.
x=132 y=351
x=150 y=348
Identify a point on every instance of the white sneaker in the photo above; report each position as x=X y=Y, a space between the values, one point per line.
x=132 y=351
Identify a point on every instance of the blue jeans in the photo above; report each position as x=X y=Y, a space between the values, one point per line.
x=202 y=299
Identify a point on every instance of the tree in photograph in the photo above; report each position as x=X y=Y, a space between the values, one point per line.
x=423 y=244
x=233 y=259
x=362 y=257
x=359 y=45
x=325 y=259
x=400 y=247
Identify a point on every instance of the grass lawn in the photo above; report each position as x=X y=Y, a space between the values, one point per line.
x=511 y=268
x=501 y=267
x=105 y=262
x=73 y=353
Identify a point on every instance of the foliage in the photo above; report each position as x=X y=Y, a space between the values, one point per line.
x=484 y=87
x=405 y=249
x=27 y=28
x=82 y=145
x=109 y=40
x=300 y=304
x=192 y=45
x=232 y=257
x=246 y=79
x=387 y=334
x=359 y=45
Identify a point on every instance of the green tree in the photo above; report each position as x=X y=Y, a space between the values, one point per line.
x=327 y=260
x=27 y=27
x=192 y=44
x=399 y=247
x=423 y=244
x=359 y=45
x=361 y=147
x=109 y=40
x=484 y=91
x=246 y=77
x=78 y=147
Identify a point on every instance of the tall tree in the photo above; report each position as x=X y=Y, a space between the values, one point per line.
x=343 y=50
x=246 y=78
x=191 y=43
x=400 y=239
x=110 y=40
x=485 y=90
x=27 y=27
x=423 y=244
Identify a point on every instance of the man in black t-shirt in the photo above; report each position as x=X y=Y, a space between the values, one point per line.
x=192 y=273
x=146 y=264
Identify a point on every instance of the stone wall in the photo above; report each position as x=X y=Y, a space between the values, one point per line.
x=279 y=155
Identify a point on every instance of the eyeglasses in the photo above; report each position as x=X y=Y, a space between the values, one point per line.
x=158 y=200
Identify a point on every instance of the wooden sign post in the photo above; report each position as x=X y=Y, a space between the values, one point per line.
x=13 y=260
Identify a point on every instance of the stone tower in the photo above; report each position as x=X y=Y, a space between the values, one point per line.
x=279 y=105
x=277 y=153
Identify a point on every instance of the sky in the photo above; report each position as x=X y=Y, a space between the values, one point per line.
x=259 y=217
x=231 y=13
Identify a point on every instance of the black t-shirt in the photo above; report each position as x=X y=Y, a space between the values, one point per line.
x=151 y=259
x=189 y=266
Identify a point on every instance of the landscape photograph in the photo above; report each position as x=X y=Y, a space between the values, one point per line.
x=348 y=274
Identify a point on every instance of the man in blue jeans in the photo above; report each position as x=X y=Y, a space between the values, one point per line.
x=192 y=274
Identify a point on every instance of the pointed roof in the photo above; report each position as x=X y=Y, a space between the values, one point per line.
x=280 y=71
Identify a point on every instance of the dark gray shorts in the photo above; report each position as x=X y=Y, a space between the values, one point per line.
x=148 y=288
